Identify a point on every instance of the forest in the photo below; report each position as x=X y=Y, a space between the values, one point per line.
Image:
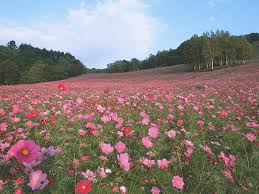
x=206 y=52
x=27 y=64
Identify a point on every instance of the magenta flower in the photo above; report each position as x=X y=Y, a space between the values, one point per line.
x=251 y=137
x=105 y=119
x=177 y=182
x=148 y=163
x=120 y=147
x=153 y=132
x=106 y=148
x=3 y=127
x=162 y=164
x=124 y=161
x=155 y=190
x=147 y=142
x=24 y=151
x=89 y=175
x=229 y=161
x=145 y=121
x=171 y=133
x=38 y=180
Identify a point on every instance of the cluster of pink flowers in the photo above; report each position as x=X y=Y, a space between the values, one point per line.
x=189 y=145
x=229 y=161
x=28 y=153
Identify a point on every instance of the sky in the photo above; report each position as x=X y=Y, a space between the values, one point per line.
x=99 y=32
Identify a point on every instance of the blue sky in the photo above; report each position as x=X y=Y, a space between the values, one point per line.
x=100 y=32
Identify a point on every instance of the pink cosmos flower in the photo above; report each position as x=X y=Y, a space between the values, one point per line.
x=229 y=161
x=155 y=190
x=106 y=148
x=153 y=132
x=101 y=172
x=120 y=100
x=147 y=142
x=101 y=109
x=3 y=127
x=90 y=126
x=147 y=162
x=171 y=133
x=145 y=121
x=124 y=161
x=123 y=190
x=206 y=149
x=106 y=118
x=143 y=114
x=76 y=162
x=180 y=107
x=177 y=182
x=150 y=154
x=120 y=147
x=251 y=124
x=2 y=112
x=38 y=180
x=251 y=137
x=120 y=133
x=162 y=164
x=24 y=151
x=79 y=101
x=81 y=133
x=188 y=152
x=89 y=175
x=200 y=123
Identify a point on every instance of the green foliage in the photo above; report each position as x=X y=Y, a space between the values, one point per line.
x=209 y=51
x=252 y=37
x=215 y=49
x=9 y=72
x=27 y=64
x=161 y=59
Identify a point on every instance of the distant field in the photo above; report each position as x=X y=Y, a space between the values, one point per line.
x=158 y=130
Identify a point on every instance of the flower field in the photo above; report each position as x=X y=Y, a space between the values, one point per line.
x=151 y=132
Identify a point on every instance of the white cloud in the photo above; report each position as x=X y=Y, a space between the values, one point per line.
x=214 y=3
x=111 y=30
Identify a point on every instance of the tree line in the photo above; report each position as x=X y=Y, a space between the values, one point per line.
x=215 y=49
x=207 y=52
x=28 y=64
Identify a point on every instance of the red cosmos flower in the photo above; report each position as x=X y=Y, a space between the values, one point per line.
x=32 y=114
x=18 y=182
x=83 y=187
x=128 y=131
x=19 y=191
x=53 y=120
x=61 y=87
x=180 y=122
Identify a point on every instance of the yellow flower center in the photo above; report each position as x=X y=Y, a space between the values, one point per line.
x=25 y=152
x=36 y=180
